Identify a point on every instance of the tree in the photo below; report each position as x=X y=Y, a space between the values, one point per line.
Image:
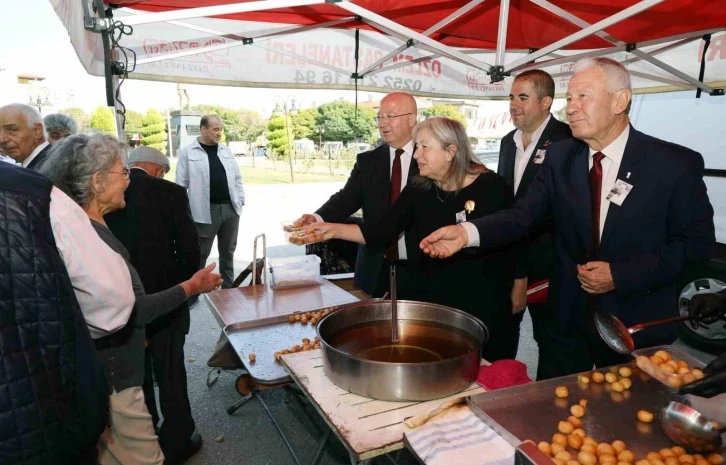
x=448 y=111
x=277 y=137
x=134 y=123
x=303 y=123
x=154 y=130
x=251 y=125
x=81 y=117
x=103 y=120
x=340 y=123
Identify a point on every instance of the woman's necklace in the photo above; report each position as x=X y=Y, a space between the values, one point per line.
x=446 y=196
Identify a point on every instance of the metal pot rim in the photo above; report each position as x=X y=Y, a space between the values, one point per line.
x=362 y=303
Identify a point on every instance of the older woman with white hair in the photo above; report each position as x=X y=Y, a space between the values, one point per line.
x=92 y=171
x=58 y=126
x=452 y=187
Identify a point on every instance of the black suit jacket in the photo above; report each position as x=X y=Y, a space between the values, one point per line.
x=665 y=222
x=536 y=255
x=36 y=163
x=368 y=188
x=157 y=228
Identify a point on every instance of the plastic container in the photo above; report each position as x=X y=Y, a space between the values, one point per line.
x=295 y=272
x=644 y=360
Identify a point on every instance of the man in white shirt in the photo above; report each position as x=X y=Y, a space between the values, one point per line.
x=22 y=136
x=629 y=212
x=376 y=180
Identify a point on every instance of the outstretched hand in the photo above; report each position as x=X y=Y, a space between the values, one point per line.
x=203 y=281
x=445 y=242
x=707 y=308
x=327 y=229
x=711 y=385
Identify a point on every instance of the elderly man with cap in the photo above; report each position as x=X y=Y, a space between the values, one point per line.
x=158 y=230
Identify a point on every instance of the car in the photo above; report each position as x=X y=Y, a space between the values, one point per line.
x=489 y=158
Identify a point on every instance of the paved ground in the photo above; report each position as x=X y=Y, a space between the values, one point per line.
x=248 y=437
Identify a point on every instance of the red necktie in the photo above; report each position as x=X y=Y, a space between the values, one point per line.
x=392 y=250
x=595 y=191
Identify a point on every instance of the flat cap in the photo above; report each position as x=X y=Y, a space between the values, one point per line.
x=146 y=154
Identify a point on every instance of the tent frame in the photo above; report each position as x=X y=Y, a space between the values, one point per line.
x=422 y=41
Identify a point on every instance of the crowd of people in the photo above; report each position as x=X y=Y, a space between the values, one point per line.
x=103 y=257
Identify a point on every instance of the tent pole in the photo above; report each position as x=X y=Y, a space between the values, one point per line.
x=380 y=21
x=673 y=71
x=590 y=30
x=436 y=27
x=218 y=10
x=502 y=33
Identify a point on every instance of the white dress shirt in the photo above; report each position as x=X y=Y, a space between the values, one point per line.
x=34 y=154
x=523 y=155
x=610 y=167
x=406 y=160
x=100 y=277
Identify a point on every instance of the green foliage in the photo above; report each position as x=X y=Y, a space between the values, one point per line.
x=81 y=117
x=134 y=123
x=277 y=136
x=561 y=114
x=102 y=119
x=242 y=124
x=339 y=121
x=448 y=111
x=303 y=123
x=154 y=130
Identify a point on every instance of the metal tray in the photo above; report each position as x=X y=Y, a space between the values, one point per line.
x=264 y=338
x=532 y=411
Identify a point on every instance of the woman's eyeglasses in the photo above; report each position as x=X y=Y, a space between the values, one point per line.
x=124 y=171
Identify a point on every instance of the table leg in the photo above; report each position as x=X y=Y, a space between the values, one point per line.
x=241 y=402
x=321 y=448
x=277 y=426
x=353 y=461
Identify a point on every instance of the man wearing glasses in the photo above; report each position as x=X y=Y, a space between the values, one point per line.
x=157 y=228
x=375 y=182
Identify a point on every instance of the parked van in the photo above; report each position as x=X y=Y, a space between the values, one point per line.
x=699 y=125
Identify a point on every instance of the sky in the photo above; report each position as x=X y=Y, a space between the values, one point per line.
x=34 y=41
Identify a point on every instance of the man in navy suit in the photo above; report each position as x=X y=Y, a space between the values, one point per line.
x=376 y=174
x=629 y=212
x=521 y=155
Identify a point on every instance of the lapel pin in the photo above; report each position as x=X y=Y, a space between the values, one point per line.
x=627 y=176
x=546 y=143
x=469 y=206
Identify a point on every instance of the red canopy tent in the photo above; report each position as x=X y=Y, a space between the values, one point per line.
x=451 y=48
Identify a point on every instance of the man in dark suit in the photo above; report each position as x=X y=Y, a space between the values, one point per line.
x=521 y=154
x=376 y=180
x=22 y=136
x=157 y=228
x=629 y=211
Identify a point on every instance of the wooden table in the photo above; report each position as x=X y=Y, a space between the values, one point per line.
x=367 y=427
x=256 y=303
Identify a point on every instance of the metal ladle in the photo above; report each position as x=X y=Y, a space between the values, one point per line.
x=394 y=307
x=618 y=337
x=688 y=428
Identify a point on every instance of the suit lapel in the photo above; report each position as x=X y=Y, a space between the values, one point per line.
x=412 y=167
x=509 y=151
x=530 y=171
x=629 y=164
x=383 y=177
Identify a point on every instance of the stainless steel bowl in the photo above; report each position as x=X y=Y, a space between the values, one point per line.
x=419 y=381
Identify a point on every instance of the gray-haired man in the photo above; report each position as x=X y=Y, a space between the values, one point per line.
x=22 y=136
